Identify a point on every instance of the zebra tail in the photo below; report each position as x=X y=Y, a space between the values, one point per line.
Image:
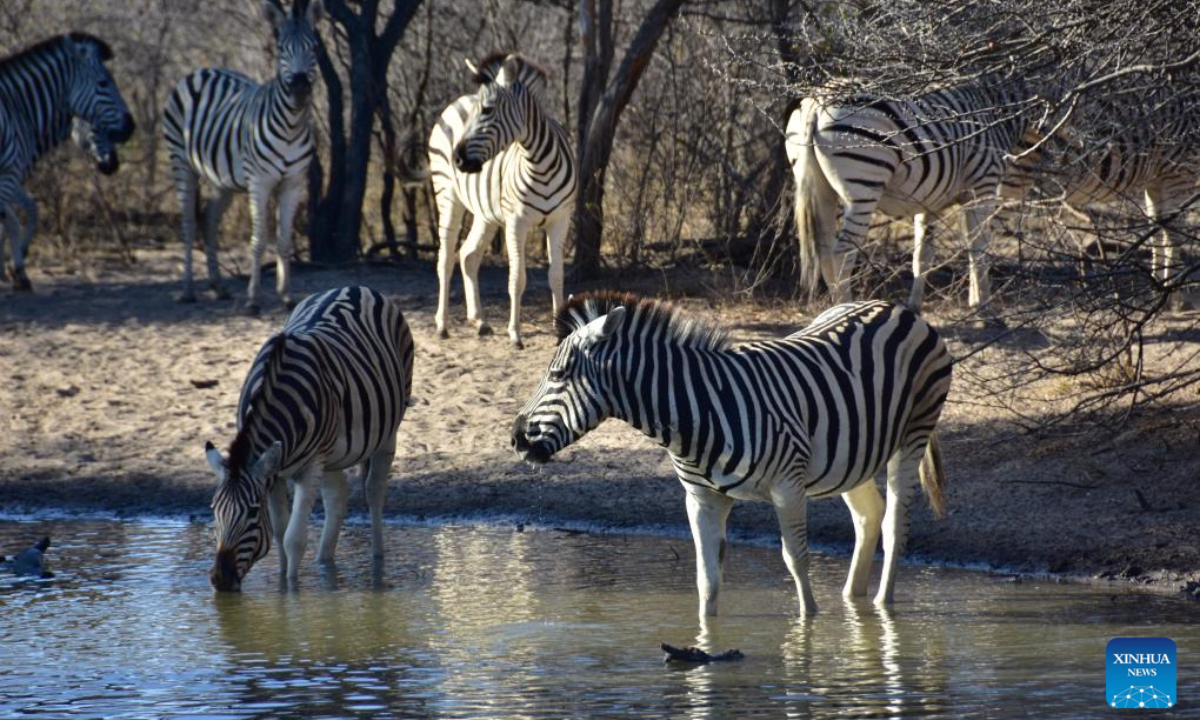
x=816 y=202
x=933 y=476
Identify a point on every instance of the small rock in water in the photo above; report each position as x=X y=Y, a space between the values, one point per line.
x=696 y=655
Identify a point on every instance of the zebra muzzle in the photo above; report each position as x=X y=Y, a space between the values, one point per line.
x=224 y=575
x=464 y=162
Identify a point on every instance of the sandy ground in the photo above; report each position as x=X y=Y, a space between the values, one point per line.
x=100 y=410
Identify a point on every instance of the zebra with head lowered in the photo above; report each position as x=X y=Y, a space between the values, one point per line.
x=244 y=137
x=42 y=88
x=499 y=154
x=814 y=414
x=905 y=158
x=324 y=395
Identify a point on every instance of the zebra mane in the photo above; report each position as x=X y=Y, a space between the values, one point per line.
x=678 y=325
x=489 y=67
x=50 y=44
x=241 y=447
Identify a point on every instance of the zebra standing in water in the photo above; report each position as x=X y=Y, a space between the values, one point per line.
x=500 y=155
x=324 y=395
x=42 y=88
x=906 y=158
x=814 y=414
x=243 y=137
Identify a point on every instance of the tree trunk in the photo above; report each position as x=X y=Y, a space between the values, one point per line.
x=601 y=129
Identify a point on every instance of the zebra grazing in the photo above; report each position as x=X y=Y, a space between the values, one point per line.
x=1156 y=158
x=500 y=155
x=42 y=88
x=814 y=414
x=325 y=394
x=906 y=158
x=243 y=137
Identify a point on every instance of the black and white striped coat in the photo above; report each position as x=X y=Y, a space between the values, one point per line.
x=500 y=156
x=1148 y=154
x=914 y=158
x=326 y=394
x=815 y=414
x=42 y=88
x=244 y=137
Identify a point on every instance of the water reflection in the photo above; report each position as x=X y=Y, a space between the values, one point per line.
x=469 y=622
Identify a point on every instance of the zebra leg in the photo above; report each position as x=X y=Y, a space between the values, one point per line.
x=212 y=227
x=470 y=256
x=335 y=493
x=295 y=540
x=708 y=512
x=280 y=514
x=450 y=216
x=556 y=235
x=791 y=507
x=866 y=509
x=21 y=243
x=978 y=215
x=289 y=201
x=260 y=229
x=515 y=233
x=12 y=230
x=922 y=257
x=187 y=187
x=1160 y=204
x=903 y=481
x=377 y=472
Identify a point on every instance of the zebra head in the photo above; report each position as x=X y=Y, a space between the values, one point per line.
x=92 y=95
x=498 y=118
x=241 y=522
x=573 y=397
x=99 y=144
x=295 y=45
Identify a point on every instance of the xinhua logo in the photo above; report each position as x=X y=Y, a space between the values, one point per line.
x=1140 y=673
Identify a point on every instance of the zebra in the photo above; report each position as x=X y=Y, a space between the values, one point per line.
x=499 y=154
x=42 y=88
x=814 y=414
x=1156 y=157
x=951 y=146
x=246 y=137
x=325 y=394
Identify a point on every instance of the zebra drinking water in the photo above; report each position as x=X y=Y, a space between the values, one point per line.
x=42 y=88
x=243 y=137
x=324 y=395
x=815 y=414
x=500 y=155
x=905 y=158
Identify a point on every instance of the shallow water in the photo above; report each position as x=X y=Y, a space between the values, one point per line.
x=489 y=622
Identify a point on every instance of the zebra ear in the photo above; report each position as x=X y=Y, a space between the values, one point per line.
x=268 y=463
x=215 y=462
x=273 y=14
x=315 y=13
x=602 y=328
x=511 y=69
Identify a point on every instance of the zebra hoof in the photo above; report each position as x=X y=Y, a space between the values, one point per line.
x=484 y=330
x=517 y=344
x=443 y=334
x=289 y=303
x=221 y=293
x=252 y=310
x=22 y=285
x=186 y=298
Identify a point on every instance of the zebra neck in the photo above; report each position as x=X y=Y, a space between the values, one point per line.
x=539 y=132
x=668 y=393
x=34 y=93
x=292 y=114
